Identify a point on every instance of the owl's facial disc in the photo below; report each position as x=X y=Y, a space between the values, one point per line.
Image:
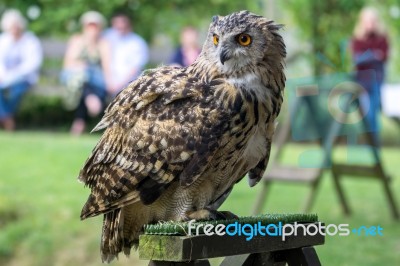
x=233 y=49
x=231 y=54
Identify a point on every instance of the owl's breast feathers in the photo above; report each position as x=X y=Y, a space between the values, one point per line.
x=165 y=127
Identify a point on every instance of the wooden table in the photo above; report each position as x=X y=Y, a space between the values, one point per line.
x=169 y=250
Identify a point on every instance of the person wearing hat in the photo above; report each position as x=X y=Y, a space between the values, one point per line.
x=83 y=72
x=20 y=61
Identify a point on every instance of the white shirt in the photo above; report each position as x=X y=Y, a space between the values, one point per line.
x=128 y=52
x=19 y=59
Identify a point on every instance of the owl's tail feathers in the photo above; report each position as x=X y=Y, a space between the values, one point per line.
x=112 y=237
x=93 y=207
x=120 y=233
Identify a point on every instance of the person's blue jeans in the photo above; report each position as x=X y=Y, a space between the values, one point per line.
x=371 y=104
x=10 y=97
x=92 y=75
x=91 y=82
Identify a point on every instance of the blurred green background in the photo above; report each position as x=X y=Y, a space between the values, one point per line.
x=40 y=198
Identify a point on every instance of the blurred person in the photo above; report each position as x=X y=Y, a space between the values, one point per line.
x=128 y=54
x=189 y=48
x=370 y=48
x=20 y=61
x=83 y=71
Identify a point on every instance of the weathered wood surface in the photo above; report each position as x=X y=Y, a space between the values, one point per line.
x=190 y=248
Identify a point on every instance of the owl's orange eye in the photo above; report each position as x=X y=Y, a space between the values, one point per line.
x=244 y=39
x=215 y=39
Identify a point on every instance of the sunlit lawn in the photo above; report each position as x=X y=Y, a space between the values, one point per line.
x=40 y=202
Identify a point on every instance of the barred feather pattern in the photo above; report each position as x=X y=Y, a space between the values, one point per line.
x=176 y=140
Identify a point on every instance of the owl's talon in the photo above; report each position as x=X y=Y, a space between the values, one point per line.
x=222 y=215
x=209 y=214
x=198 y=215
x=227 y=215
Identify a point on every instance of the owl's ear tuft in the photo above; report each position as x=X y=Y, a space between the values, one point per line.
x=215 y=19
x=275 y=27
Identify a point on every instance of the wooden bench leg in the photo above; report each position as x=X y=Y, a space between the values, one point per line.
x=237 y=260
x=305 y=256
x=389 y=195
x=263 y=259
x=311 y=196
x=392 y=203
x=258 y=206
x=340 y=193
x=170 y=263
x=302 y=256
x=255 y=259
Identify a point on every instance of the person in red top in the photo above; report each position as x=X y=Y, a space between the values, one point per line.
x=370 y=49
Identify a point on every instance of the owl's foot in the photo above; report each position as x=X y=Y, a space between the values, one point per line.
x=209 y=214
x=227 y=215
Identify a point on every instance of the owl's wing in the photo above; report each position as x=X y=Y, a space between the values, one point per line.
x=255 y=174
x=163 y=128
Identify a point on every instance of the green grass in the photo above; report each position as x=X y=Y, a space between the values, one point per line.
x=40 y=203
x=41 y=195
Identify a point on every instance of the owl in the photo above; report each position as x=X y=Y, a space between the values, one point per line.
x=176 y=140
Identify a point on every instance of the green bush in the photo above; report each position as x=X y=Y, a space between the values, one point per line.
x=38 y=111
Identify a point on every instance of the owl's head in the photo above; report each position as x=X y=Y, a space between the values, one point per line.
x=243 y=40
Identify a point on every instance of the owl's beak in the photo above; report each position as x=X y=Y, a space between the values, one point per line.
x=224 y=56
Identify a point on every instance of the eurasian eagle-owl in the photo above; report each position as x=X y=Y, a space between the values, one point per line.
x=177 y=139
